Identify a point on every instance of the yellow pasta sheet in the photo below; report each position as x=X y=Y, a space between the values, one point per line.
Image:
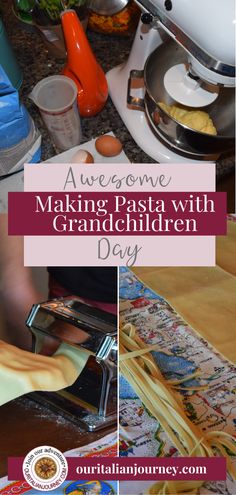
x=226 y=249
x=204 y=297
x=22 y=372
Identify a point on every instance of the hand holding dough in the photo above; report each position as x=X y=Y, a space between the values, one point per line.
x=22 y=372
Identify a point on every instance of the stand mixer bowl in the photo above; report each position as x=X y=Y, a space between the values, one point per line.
x=182 y=138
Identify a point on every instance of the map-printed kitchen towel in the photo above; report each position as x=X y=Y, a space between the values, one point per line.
x=156 y=322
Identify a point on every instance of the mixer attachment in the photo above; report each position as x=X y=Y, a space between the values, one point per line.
x=188 y=89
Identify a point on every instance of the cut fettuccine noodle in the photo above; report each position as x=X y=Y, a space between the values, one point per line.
x=160 y=397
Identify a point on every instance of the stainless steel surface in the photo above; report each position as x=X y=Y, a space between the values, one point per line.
x=177 y=135
x=160 y=19
x=84 y=326
x=77 y=413
x=68 y=321
x=107 y=7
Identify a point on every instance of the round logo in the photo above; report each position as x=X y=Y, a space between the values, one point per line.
x=45 y=468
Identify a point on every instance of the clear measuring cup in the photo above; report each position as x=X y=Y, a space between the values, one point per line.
x=56 y=98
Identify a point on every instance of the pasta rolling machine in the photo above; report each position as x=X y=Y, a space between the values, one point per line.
x=92 y=399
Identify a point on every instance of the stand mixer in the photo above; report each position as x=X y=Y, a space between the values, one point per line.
x=92 y=399
x=183 y=52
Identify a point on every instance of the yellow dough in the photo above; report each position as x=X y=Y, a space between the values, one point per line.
x=22 y=372
x=226 y=249
x=195 y=119
x=204 y=297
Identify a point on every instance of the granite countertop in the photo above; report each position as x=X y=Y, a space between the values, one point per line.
x=36 y=64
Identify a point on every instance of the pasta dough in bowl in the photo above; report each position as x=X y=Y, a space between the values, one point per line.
x=194 y=119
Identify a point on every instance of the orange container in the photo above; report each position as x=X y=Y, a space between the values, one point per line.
x=83 y=67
